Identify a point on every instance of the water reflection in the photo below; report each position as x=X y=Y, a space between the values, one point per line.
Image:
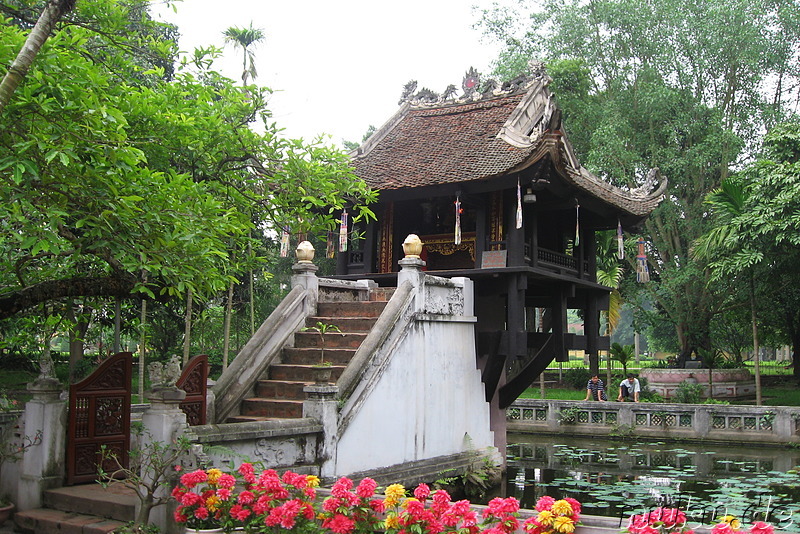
x=618 y=478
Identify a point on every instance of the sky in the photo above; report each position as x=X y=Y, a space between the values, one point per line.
x=337 y=67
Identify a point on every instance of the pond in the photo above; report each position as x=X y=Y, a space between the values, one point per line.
x=620 y=478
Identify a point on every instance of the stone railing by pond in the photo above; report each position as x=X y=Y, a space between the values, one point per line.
x=703 y=422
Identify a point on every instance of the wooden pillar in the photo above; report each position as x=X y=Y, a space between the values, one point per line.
x=515 y=237
x=591 y=253
x=369 y=247
x=515 y=315
x=560 y=322
x=591 y=327
x=482 y=214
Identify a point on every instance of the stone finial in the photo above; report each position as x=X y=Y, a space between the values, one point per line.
x=412 y=246
x=304 y=252
x=164 y=375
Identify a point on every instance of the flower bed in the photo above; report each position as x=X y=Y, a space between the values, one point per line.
x=267 y=502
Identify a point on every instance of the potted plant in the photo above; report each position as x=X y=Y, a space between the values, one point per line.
x=149 y=469
x=322 y=370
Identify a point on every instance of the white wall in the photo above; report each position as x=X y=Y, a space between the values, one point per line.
x=428 y=402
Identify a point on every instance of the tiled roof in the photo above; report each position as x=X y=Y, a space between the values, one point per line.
x=449 y=144
x=432 y=143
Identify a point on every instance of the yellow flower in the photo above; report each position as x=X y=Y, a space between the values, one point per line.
x=564 y=525
x=212 y=503
x=393 y=494
x=732 y=521
x=561 y=507
x=213 y=475
x=392 y=521
x=545 y=518
x=312 y=481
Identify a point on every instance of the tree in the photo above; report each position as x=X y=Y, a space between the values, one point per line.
x=244 y=38
x=51 y=14
x=755 y=232
x=117 y=181
x=670 y=84
x=623 y=354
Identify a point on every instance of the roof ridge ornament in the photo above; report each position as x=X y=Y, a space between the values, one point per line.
x=474 y=88
x=470 y=82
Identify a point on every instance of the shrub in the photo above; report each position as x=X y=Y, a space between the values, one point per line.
x=688 y=393
x=577 y=377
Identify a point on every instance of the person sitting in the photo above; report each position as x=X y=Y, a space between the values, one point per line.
x=629 y=389
x=595 y=389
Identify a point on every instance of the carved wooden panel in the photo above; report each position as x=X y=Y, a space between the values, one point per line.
x=193 y=382
x=99 y=415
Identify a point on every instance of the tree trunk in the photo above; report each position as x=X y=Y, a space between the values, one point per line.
x=52 y=12
x=142 y=341
x=77 y=333
x=756 y=356
x=187 y=328
x=227 y=327
x=117 y=325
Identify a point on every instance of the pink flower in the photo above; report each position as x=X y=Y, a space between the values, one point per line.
x=246 y=497
x=194 y=478
x=190 y=499
x=544 y=503
x=339 y=524
x=377 y=505
x=723 y=528
x=179 y=516
x=239 y=512
x=366 y=488
x=422 y=492
x=331 y=504
x=226 y=481
x=201 y=513
x=760 y=527
x=224 y=494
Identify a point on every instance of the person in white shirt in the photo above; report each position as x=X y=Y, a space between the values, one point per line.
x=629 y=389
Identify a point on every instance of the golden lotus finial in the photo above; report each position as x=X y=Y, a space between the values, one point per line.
x=304 y=252
x=412 y=246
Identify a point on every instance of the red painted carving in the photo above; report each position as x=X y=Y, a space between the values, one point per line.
x=99 y=415
x=193 y=382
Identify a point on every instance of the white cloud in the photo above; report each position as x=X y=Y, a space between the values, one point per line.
x=337 y=67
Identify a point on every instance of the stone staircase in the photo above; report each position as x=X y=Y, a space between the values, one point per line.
x=280 y=394
x=84 y=509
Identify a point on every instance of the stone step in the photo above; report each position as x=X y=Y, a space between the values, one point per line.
x=333 y=340
x=312 y=356
x=49 y=521
x=300 y=373
x=271 y=408
x=344 y=324
x=113 y=502
x=350 y=309
x=281 y=389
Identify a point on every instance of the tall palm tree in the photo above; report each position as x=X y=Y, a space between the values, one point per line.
x=245 y=38
x=609 y=273
x=51 y=14
x=728 y=202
